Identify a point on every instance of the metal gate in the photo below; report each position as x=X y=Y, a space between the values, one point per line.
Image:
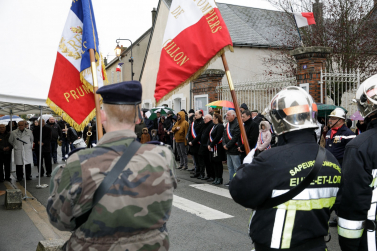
x=256 y=94
x=340 y=89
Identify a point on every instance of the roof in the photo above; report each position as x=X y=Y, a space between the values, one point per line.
x=256 y=27
x=129 y=48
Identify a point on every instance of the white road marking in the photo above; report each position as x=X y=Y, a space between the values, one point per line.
x=199 y=209
x=213 y=189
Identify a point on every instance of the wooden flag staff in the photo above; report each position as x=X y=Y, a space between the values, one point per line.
x=96 y=96
x=236 y=106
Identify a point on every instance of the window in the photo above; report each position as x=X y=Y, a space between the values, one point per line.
x=200 y=102
x=305 y=87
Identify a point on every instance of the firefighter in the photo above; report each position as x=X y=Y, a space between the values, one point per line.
x=339 y=135
x=300 y=222
x=357 y=198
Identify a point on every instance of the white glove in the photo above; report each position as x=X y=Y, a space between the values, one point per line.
x=249 y=158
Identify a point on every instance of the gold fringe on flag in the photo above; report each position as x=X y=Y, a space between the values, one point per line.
x=68 y=119
x=88 y=71
x=196 y=74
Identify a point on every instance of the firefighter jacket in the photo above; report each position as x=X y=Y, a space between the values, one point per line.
x=357 y=198
x=300 y=223
x=337 y=144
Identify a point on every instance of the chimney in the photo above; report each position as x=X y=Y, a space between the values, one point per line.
x=105 y=61
x=154 y=14
x=318 y=12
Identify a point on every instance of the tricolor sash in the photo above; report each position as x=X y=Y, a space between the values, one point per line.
x=261 y=140
x=193 y=133
x=228 y=133
x=211 y=140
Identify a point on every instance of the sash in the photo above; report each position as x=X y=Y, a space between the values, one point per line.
x=211 y=140
x=359 y=131
x=261 y=140
x=193 y=133
x=229 y=134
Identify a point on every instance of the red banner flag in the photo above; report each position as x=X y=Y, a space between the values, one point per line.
x=195 y=35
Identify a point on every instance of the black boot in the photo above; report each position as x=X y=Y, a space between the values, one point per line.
x=219 y=181
x=215 y=182
x=195 y=175
x=210 y=179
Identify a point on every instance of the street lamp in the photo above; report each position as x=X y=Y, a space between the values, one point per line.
x=118 y=51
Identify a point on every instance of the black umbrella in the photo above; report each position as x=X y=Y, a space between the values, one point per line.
x=33 y=118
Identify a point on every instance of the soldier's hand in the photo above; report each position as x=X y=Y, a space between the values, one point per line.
x=190 y=143
x=225 y=148
x=209 y=148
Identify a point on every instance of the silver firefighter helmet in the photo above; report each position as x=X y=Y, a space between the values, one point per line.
x=366 y=97
x=293 y=109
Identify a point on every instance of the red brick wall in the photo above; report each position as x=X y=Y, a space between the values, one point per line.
x=310 y=61
x=207 y=83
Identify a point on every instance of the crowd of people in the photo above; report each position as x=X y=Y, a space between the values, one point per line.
x=23 y=138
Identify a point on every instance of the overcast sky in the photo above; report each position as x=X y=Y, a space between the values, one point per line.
x=31 y=29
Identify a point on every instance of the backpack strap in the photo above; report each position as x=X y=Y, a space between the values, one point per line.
x=273 y=202
x=109 y=180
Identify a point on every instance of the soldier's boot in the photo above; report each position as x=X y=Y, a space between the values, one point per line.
x=215 y=182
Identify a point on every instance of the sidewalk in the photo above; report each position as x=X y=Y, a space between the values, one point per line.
x=18 y=231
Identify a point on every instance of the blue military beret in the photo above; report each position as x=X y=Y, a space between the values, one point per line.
x=125 y=93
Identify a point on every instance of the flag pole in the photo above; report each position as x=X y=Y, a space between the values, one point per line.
x=298 y=30
x=96 y=96
x=235 y=102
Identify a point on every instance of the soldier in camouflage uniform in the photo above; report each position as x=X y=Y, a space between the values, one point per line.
x=132 y=215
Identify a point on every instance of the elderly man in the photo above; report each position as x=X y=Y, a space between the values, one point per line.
x=5 y=154
x=56 y=134
x=133 y=210
x=22 y=153
x=252 y=133
x=204 y=157
x=338 y=135
x=230 y=138
x=194 y=136
x=46 y=147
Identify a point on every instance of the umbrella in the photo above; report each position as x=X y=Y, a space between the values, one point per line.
x=33 y=118
x=221 y=104
x=152 y=113
x=45 y=117
x=356 y=116
x=325 y=110
x=6 y=119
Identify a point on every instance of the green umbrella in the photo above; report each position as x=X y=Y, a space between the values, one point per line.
x=152 y=113
x=325 y=110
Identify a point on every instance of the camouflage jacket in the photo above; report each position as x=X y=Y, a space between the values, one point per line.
x=133 y=214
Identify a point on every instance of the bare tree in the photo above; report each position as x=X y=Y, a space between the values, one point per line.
x=349 y=27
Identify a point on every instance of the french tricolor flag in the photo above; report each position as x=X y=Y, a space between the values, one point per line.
x=304 y=18
x=195 y=35
x=119 y=67
x=71 y=90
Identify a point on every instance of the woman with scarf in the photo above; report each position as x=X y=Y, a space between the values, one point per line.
x=217 y=152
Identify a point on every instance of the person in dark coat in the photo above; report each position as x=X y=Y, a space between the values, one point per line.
x=5 y=154
x=217 y=152
x=252 y=132
x=243 y=107
x=156 y=121
x=204 y=157
x=46 y=147
x=167 y=125
x=338 y=136
x=65 y=143
x=14 y=126
x=72 y=136
x=230 y=138
x=56 y=134
x=194 y=141
x=361 y=127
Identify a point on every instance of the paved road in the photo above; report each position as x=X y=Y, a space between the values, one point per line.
x=204 y=217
